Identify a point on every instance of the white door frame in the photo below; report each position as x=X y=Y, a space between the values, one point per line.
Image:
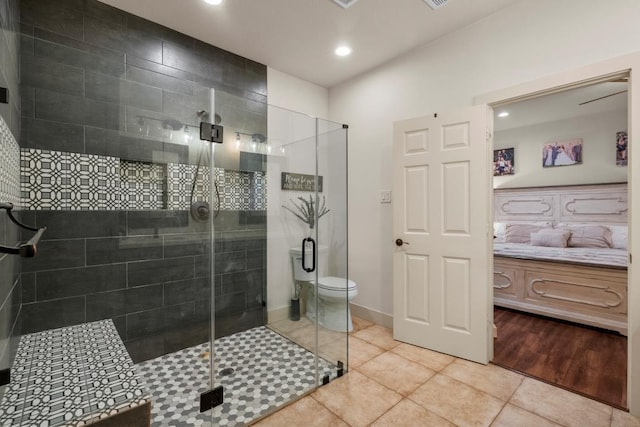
x=580 y=77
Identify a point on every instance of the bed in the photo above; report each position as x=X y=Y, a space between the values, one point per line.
x=587 y=285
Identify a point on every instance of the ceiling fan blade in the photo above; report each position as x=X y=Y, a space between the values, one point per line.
x=603 y=97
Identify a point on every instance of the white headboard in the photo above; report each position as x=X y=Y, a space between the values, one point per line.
x=606 y=203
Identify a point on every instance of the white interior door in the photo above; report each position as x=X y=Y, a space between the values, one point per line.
x=441 y=269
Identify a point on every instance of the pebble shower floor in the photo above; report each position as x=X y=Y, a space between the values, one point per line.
x=268 y=370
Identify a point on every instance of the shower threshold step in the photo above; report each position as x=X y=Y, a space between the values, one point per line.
x=77 y=375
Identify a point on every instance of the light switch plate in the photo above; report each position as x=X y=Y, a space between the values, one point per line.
x=385 y=196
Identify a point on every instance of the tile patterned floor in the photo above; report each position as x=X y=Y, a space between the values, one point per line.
x=269 y=370
x=71 y=376
x=396 y=384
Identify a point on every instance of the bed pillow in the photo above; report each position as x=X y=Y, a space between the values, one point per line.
x=520 y=233
x=619 y=236
x=589 y=236
x=498 y=230
x=551 y=238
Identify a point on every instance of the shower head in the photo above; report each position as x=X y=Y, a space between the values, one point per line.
x=203 y=114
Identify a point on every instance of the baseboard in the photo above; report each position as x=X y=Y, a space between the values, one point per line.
x=372 y=315
x=278 y=314
x=377 y=317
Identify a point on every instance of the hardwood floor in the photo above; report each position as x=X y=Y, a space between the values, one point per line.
x=585 y=360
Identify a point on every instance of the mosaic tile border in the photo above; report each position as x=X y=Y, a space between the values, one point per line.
x=242 y=190
x=142 y=185
x=269 y=370
x=10 y=170
x=180 y=181
x=71 y=376
x=236 y=190
x=55 y=180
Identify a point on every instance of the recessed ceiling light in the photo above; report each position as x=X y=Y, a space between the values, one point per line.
x=343 y=51
x=215 y=2
x=503 y=114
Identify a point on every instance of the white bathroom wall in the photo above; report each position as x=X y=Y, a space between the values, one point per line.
x=598 y=165
x=292 y=93
x=524 y=42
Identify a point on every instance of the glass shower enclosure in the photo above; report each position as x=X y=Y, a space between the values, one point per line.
x=285 y=338
x=272 y=200
x=204 y=263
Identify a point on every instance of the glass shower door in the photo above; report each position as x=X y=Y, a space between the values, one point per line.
x=271 y=243
x=258 y=368
x=334 y=289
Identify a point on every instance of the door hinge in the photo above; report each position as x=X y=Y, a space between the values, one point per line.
x=630 y=258
x=211 y=399
x=489 y=135
x=211 y=133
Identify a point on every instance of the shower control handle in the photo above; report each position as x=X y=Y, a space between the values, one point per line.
x=304 y=248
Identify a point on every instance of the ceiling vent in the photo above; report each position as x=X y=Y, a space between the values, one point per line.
x=435 y=4
x=346 y=3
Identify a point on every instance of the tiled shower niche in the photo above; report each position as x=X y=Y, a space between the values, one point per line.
x=55 y=180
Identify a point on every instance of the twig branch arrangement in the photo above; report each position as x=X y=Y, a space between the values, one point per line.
x=306 y=210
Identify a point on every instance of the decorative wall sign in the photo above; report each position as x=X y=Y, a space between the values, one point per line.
x=300 y=182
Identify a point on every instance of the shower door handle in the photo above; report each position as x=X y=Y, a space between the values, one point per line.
x=304 y=247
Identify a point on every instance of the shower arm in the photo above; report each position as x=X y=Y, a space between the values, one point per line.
x=27 y=249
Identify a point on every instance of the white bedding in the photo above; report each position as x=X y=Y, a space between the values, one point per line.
x=588 y=256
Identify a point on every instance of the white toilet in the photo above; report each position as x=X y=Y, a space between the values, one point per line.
x=334 y=293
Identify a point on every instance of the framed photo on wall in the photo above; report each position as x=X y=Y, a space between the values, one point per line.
x=503 y=162
x=562 y=153
x=621 y=148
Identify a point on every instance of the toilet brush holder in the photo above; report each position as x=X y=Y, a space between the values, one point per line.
x=294 y=310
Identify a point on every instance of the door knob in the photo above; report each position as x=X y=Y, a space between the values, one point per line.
x=399 y=242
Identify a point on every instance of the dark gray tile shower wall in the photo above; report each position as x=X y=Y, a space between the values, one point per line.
x=10 y=279
x=9 y=63
x=89 y=71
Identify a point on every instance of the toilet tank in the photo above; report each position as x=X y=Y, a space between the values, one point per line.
x=296 y=263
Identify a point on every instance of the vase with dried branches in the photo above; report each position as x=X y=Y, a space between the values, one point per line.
x=305 y=210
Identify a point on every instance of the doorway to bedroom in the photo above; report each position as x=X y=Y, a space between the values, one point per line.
x=560 y=238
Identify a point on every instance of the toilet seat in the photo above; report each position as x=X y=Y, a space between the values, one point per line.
x=328 y=302
x=332 y=283
x=335 y=287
